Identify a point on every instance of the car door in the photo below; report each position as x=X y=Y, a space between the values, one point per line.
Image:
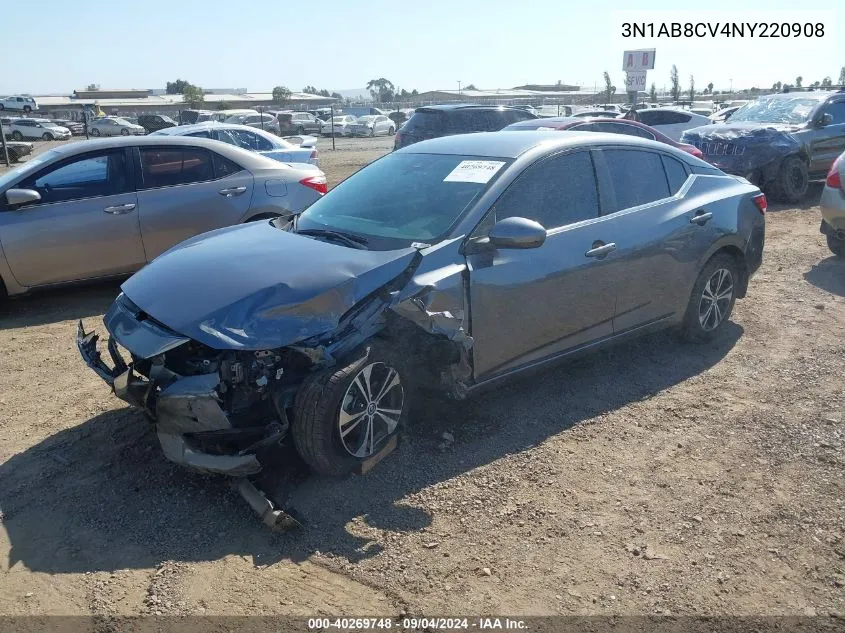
x=527 y=305
x=827 y=142
x=658 y=243
x=184 y=191
x=84 y=226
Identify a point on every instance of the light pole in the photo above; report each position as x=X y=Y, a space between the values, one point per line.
x=732 y=87
x=459 y=87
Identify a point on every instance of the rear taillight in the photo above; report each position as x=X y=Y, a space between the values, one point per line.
x=761 y=203
x=317 y=183
x=397 y=140
x=697 y=152
x=834 y=179
x=314 y=153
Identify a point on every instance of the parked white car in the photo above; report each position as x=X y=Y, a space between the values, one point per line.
x=17 y=102
x=342 y=126
x=671 y=122
x=45 y=129
x=263 y=121
x=115 y=126
x=373 y=125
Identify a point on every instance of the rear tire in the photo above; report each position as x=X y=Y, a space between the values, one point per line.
x=17 y=136
x=391 y=132
x=300 y=130
x=342 y=417
x=95 y=132
x=27 y=109
x=712 y=299
x=124 y=132
x=792 y=180
x=836 y=246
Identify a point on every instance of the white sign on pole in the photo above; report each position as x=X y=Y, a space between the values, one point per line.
x=641 y=59
x=635 y=80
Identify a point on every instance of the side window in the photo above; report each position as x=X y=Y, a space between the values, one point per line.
x=637 y=177
x=89 y=176
x=203 y=134
x=664 y=117
x=555 y=192
x=223 y=166
x=166 y=167
x=226 y=137
x=837 y=109
x=251 y=141
x=676 y=173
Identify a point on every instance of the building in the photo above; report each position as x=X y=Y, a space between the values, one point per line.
x=134 y=102
x=533 y=94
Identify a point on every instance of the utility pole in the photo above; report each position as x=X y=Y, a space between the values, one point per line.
x=459 y=87
x=3 y=140
x=732 y=86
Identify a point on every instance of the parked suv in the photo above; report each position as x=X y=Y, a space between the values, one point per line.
x=155 y=122
x=779 y=142
x=445 y=120
x=24 y=104
x=297 y=122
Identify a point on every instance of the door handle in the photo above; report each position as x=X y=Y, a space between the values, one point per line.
x=701 y=218
x=601 y=250
x=232 y=191
x=120 y=209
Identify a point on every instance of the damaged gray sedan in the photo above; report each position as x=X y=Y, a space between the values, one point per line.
x=452 y=264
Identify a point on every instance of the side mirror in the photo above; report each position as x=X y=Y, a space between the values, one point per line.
x=517 y=233
x=826 y=119
x=18 y=197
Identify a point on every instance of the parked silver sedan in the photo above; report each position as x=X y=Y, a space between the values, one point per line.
x=373 y=125
x=115 y=126
x=103 y=208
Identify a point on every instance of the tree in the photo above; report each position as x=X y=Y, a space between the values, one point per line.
x=470 y=87
x=691 y=88
x=381 y=89
x=193 y=95
x=177 y=87
x=798 y=81
x=676 y=83
x=710 y=87
x=324 y=93
x=815 y=84
x=336 y=95
x=826 y=82
x=281 y=95
x=652 y=94
x=222 y=105
x=777 y=86
x=609 y=88
x=842 y=76
x=311 y=90
x=414 y=92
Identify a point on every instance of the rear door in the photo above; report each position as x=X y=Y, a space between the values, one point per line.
x=184 y=191
x=85 y=226
x=658 y=245
x=527 y=305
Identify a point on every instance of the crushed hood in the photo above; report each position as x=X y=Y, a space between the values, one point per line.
x=255 y=286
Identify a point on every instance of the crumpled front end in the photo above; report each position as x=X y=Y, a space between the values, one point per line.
x=753 y=152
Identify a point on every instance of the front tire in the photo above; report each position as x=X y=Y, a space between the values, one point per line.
x=95 y=132
x=344 y=416
x=712 y=300
x=27 y=109
x=836 y=246
x=47 y=136
x=124 y=132
x=792 y=181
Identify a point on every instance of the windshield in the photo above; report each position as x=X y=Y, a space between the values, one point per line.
x=12 y=175
x=167 y=119
x=121 y=121
x=404 y=198
x=776 y=110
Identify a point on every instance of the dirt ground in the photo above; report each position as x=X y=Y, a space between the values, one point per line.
x=654 y=478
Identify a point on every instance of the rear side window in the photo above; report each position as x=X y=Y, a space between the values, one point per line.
x=203 y=134
x=166 y=167
x=555 y=192
x=223 y=166
x=662 y=118
x=463 y=121
x=676 y=173
x=425 y=122
x=637 y=177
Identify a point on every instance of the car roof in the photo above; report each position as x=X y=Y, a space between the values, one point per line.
x=510 y=144
x=245 y=158
x=818 y=95
x=447 y=107
x=182 y=130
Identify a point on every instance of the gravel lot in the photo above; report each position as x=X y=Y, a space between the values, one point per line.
x=652 y=478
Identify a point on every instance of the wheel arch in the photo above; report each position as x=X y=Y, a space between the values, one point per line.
x=739 y=257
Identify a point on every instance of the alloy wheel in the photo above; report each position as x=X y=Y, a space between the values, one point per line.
x=715 y=299
x=370 y=409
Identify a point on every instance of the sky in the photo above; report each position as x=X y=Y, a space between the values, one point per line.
x=341 y=45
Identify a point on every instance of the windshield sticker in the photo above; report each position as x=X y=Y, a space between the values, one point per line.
x=480 y=171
